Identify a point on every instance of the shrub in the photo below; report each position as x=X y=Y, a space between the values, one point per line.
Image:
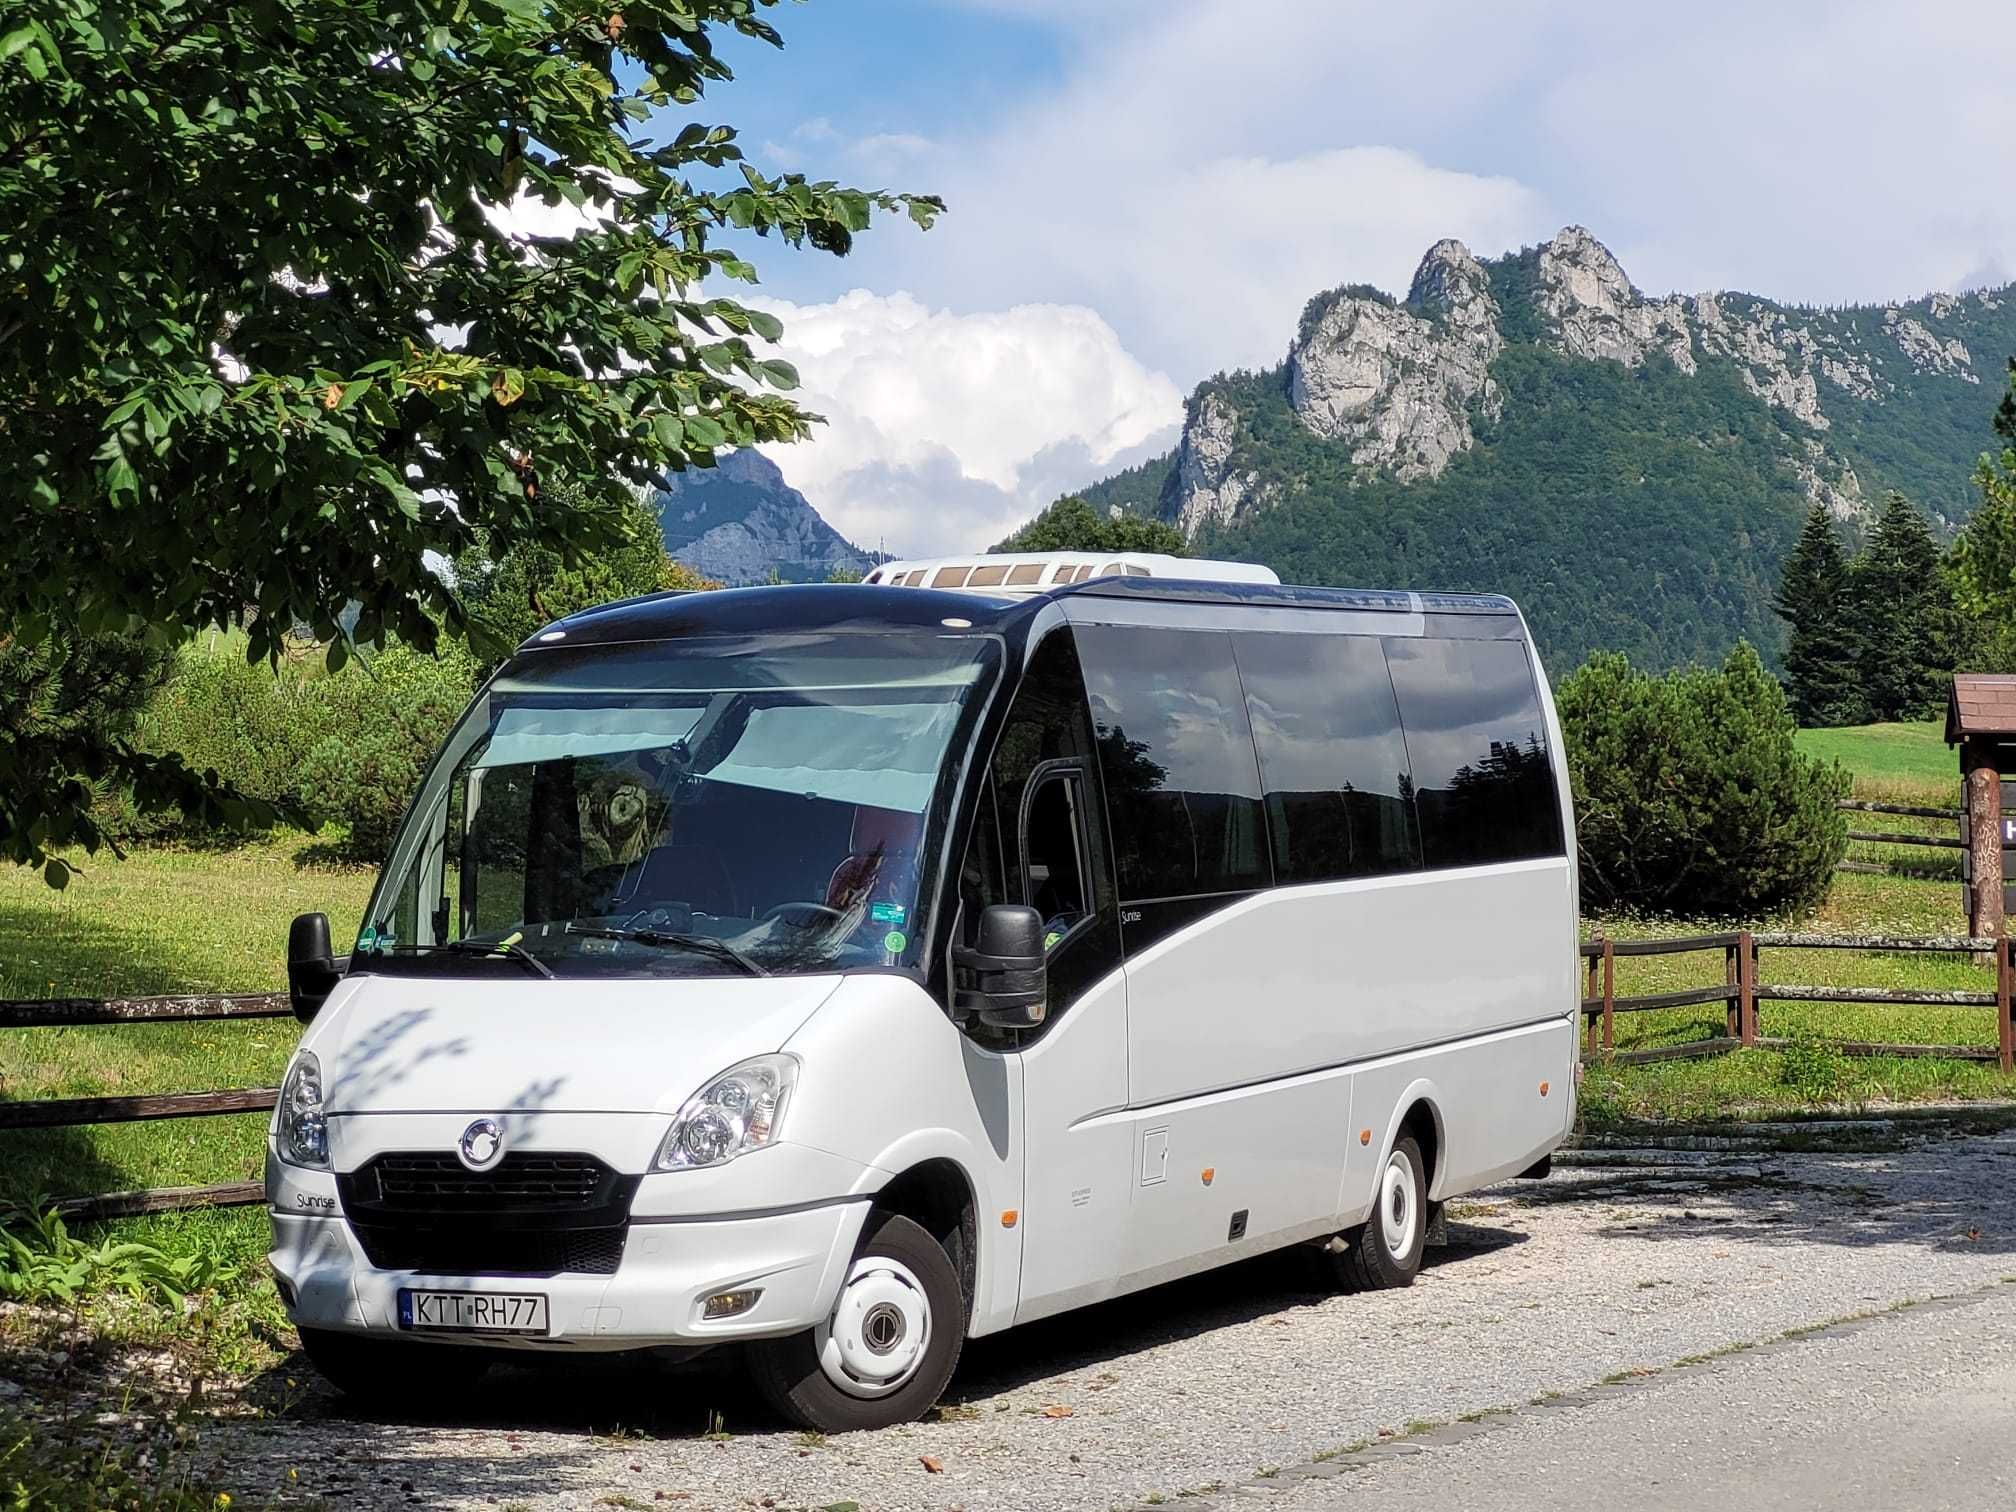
x=345 y=748
x=377 y=729
x=1690 y=797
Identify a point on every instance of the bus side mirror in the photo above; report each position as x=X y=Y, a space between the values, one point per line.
x=1001 y=975
x=312 y=970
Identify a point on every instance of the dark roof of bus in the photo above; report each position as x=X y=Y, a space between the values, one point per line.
x=862 y=606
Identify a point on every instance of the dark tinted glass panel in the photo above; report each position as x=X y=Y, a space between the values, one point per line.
x=1477 y=746
x=1177 y=755
x=1046 y=845
x=1332 y=760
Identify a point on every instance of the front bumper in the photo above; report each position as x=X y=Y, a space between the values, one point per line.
x=655 y=1297
x=687 y=1240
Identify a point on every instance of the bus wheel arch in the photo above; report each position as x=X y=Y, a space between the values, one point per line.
x=937 y=1195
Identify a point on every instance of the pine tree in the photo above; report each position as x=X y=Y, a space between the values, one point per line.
x=1901 y=593
x=1822 y=677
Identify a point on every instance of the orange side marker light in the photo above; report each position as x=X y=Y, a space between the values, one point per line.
x=1543 y=1089
x=1009 y=1217
x=1209 y=1172
x=1365 y=1136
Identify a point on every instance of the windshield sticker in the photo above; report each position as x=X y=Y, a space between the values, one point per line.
x=887 y=913
x=367 y=937
x=894 y=941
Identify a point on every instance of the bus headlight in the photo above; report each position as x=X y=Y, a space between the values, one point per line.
x=301 y=1131
x=736 y=1112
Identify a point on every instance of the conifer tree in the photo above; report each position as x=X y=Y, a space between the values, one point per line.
x=1901 y=594
x=1822 y=676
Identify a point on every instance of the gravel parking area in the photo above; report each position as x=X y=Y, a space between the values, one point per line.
x=1624 y=1261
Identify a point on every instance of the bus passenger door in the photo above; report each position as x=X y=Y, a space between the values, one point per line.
x=1041 y=840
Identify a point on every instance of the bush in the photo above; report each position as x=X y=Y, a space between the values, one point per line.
x=345 y=747
x=377 y=730
x=1690 y=797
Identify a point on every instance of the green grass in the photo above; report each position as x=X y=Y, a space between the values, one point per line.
x=1898 y=763
x=161 y=921
x=76 y=1466
x=1901 y=756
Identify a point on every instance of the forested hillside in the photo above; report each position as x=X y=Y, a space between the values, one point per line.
x=1634 y=471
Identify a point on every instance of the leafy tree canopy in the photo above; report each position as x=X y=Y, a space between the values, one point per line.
x=1984 y=559
x=1072 y=524
x=533 y=585
x=266 y=341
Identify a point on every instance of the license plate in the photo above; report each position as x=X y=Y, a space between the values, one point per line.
x=473 y=1312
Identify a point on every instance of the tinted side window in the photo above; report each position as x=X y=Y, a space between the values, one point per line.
x=1333 y=763
x=1176 y=753
x=1039 y=836
x=1477 y=745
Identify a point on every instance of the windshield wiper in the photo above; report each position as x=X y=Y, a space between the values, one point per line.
x=721 y=950
x=516 y=953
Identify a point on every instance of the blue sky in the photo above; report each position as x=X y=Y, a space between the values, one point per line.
x=1143 y=192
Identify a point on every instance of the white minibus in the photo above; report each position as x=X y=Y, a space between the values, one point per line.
x=843 y=972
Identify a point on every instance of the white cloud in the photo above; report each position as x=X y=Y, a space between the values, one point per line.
x=946 y=430
x=1198 y=183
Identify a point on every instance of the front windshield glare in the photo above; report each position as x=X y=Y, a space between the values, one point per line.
x=714 y=805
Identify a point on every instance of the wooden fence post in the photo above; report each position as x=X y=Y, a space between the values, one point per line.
x=1609 y=990
x=2005 y=1028
x=1732 y=1016
x=1746 y=988
x=1589 y=1019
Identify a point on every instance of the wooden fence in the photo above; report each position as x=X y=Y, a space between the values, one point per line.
x=1740 y=992
x=1888 y=837
x=70 y=1112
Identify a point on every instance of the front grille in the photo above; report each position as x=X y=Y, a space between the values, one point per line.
x=582 y=1252
x=534 y=1213
x=523 y=1181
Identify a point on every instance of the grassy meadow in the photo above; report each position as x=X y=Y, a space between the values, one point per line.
x=1894 y=763
x=160 y=921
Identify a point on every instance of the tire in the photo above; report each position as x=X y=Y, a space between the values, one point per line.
x=1385 y=1250
x=889 y=1347
x=396 y=1373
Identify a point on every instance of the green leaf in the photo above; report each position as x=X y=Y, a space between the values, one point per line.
x=670 y=430
x=56 y=872
x=705 y=431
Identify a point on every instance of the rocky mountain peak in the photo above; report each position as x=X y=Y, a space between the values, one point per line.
x=1402 y=386
x=1585 y=292
x=1450 y=280
x=739 y=521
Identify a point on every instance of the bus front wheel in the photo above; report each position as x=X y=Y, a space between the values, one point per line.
x=888 y=1348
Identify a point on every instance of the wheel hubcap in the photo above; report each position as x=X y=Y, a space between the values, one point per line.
x=1397 y=1211
x=879 y=1330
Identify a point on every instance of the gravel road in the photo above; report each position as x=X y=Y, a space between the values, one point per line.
x=1248 y=1382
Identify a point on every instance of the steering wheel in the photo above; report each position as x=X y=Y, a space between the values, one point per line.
x=808 y=915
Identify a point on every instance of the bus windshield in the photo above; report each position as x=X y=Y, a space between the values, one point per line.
x=706 y=806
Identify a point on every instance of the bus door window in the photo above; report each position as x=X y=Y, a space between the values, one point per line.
x=1055 y=880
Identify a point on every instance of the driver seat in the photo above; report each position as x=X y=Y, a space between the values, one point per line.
x=881 y=854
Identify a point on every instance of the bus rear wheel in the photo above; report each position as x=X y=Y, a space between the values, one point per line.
x=888 y=1348
x=1385 y=1250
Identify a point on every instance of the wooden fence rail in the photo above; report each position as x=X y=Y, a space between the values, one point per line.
x=1891 y=837
x=1742 y=992
x=70 y=1112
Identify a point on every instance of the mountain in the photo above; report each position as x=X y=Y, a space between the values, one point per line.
x=1633 y=470
x=739 y=521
